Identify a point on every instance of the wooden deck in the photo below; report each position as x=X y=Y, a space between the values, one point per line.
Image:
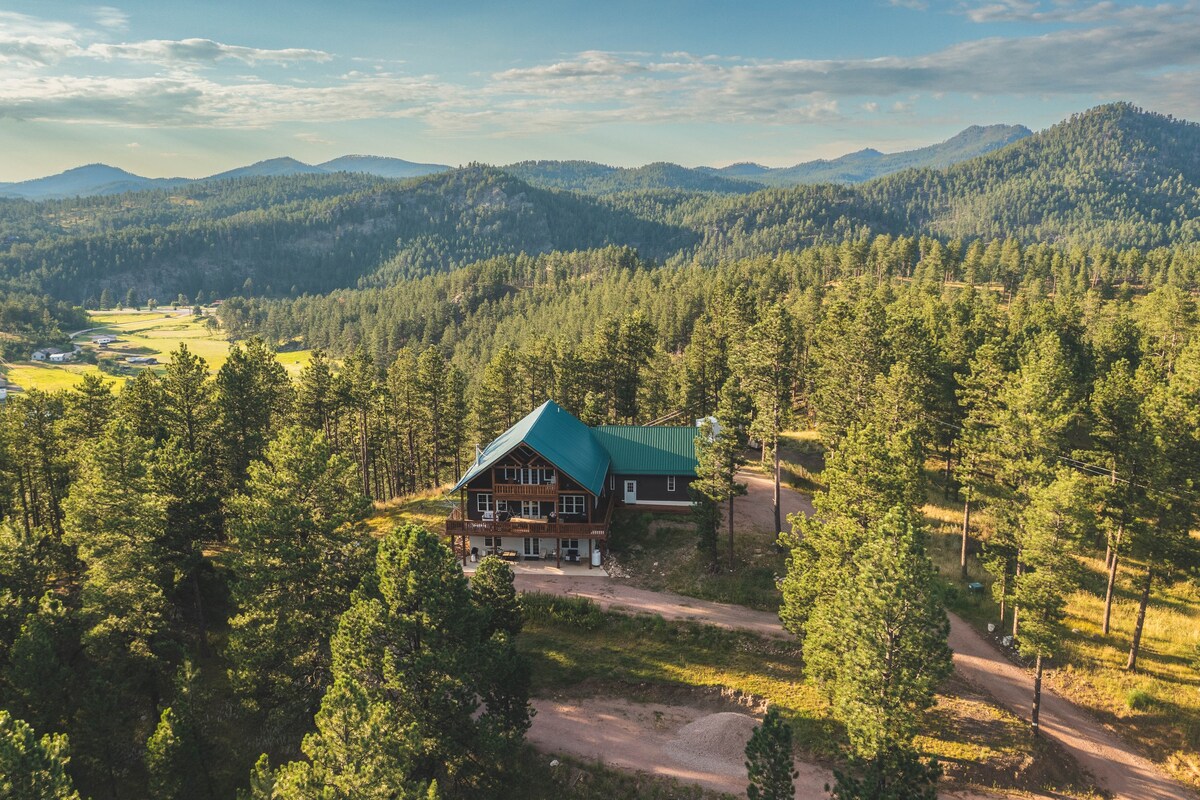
x=457 y=526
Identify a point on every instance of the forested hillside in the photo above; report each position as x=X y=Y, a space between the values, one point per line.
x=301 y=234
x=1114 y=176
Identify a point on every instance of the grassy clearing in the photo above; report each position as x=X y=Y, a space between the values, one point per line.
x=427 y=508
x=658 y=551
x=574 y=647
x=1163 y=717
x=48 y=377
x=154 y=334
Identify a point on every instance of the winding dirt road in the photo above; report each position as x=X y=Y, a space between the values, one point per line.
x=1114 y=765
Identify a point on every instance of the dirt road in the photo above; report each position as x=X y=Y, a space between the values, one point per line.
x=1112 y=762
x=756 y=511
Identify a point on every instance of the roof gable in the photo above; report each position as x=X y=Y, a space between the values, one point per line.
x=649 y=449
x=557 y=436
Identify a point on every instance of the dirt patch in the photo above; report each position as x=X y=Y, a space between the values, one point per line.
x=683 y=742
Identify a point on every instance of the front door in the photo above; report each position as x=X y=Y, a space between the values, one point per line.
x=533 y=547
x=630 y=491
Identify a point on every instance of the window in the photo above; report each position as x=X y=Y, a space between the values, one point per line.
x=670 y=483
x=493 y=542
x=572 y=504
x=483 y=501
x=568 y=544
x=612 y=483
x=531 y=509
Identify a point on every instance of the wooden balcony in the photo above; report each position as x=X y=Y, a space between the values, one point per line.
x=530 y=528
x=525 y=491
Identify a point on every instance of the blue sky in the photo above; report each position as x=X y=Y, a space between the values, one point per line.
x=170 y=88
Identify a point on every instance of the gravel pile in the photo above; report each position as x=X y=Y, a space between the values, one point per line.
x=716 y=743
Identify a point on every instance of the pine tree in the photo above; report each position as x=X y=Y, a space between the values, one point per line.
x=769 y=764
x=33 y=768
x=492 y=587
x=720 y=452
x=766 y=368
x=253 y=392
x=866 y=476
x=881 y=650
x=116 y=522
x=187 y=398
x=1051 y=527
x=89 y=405
x=299 y=549
x=316 y=403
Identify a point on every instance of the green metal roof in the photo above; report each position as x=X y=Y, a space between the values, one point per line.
x=557 y=436
x=649 y=449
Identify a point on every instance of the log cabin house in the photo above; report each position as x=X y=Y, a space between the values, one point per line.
x=545 y=489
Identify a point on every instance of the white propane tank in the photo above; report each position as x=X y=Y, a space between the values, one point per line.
x=595 y=558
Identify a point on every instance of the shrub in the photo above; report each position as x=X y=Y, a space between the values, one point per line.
x=1139 y=699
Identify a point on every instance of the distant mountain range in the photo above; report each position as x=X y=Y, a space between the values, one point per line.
x=101 y=179
x=582 y=176
x=866 y=164
x=743 y=178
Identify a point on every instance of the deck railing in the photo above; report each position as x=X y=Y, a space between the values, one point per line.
x=545 y=530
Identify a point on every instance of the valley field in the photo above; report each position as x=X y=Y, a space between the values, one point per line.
x=154 y=334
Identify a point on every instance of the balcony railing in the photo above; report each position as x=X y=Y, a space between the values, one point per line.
x=525 y=491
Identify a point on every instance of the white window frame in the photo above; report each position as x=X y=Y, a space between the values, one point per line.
x=483 y=501
x=493 y=542
x=612 y=482
x=578 y=504
x=531 y=505
x=670 y=483
x=532 y=546
x=568 y=544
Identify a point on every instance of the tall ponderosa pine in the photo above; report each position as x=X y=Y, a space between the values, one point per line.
x=766 y=367
x=720 y=451
x=1051 y=528
x=253 y=395
x=299 y=549
x=866 y=476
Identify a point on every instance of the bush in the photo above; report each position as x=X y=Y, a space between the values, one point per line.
x=578 y=612
x=1139 y=699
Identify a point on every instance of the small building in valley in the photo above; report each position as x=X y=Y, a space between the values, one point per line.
x=46 y=354
x=546 y=487
x=59 y=358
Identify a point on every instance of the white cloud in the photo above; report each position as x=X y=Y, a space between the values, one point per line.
x=110 y=18
x=55 y=71
x=198 y=51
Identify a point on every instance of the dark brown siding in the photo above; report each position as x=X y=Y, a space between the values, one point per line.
x=653 y=488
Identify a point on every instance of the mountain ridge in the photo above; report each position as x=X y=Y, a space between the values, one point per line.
x=92 y=180
x=575 y=175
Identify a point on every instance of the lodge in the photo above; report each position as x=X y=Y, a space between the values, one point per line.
x=545 y=489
